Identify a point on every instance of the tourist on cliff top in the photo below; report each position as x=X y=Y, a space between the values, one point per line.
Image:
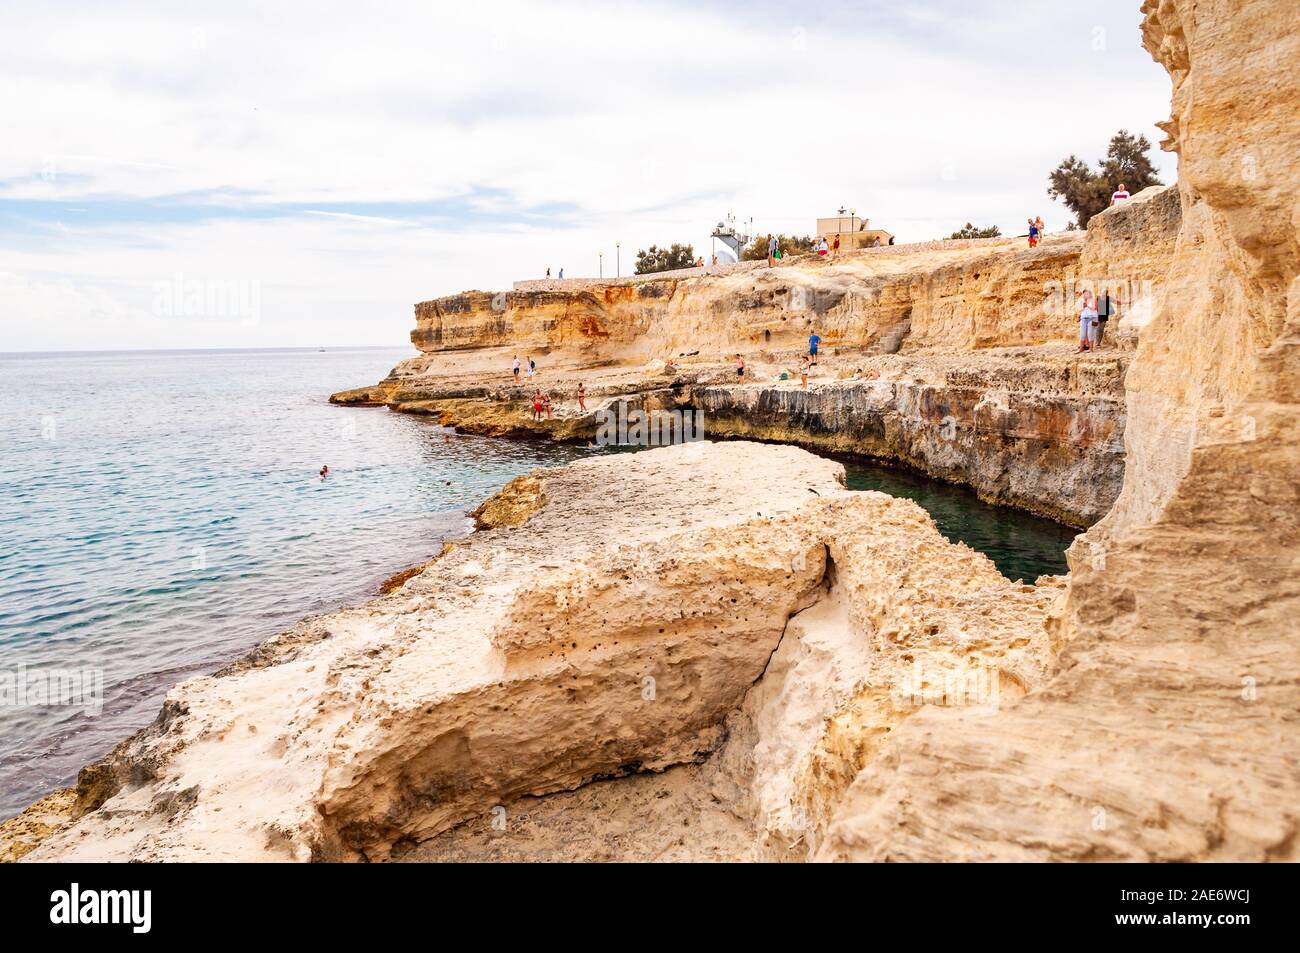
x=814 y=339
x=740 y=368
x=532 y=366
x=582 y=397
x=715 y=261
x=1033 y=233
x=1121 y=195
x=1087 y=323
x=548 y=272
x=771 y=251
x=822 y=247
x=561 y=275
x=514 y=368
x=835 y=249
x=1038 y=223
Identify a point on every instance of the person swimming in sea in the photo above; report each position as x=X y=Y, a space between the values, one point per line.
x=324 y=471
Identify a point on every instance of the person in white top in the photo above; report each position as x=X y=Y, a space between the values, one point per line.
x=514 y=367
x=1087 y=323
x=1121 y=195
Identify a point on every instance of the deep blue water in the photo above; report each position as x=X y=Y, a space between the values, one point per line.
x=161 y=513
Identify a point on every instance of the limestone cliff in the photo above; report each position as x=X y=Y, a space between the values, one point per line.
x=1168 y=730
x=968 y=346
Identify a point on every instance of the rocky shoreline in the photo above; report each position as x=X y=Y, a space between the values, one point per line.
x=715 y=651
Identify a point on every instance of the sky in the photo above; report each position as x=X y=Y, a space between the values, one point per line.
x=300 y=174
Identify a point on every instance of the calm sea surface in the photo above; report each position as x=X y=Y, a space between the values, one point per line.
x=161 y=513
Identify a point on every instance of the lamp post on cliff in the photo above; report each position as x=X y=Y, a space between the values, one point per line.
x=840 y=234
x=618 y=268
x=601 y=256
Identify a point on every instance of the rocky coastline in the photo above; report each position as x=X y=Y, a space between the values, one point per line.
x=713 y=651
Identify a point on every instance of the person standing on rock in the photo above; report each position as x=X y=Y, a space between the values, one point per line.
x=537 y=404
x=532 y=366
x=803 y=373
x=548 y=272
x=1087 y=323
x=740 y=368
x=1038 y=223
x=514 y=367
x=814 y=342
x=582 y=397
x=1033 y=233
x=771 y=251
x=561 y=275
x=1120 y=195
x=1106 y=306
x=546 y=403
x=835 y=249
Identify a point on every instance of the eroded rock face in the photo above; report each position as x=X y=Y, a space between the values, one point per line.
x=1044 y=436
x=1168 y=731
x=620 y=628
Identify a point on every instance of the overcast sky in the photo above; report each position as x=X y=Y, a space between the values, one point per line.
x=311 y=170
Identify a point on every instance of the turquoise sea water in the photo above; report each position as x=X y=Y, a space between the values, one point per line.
x=161 y=513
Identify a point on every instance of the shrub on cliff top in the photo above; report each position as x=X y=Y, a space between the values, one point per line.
x=972 y=231
x=655 y=259
x=1087 y=192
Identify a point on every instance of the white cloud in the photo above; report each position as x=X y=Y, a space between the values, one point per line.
x=647 y=122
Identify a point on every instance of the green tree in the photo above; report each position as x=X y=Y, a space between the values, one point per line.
x=1087 y=192
x=655 y=259
x=756 y=250
x=972 y=231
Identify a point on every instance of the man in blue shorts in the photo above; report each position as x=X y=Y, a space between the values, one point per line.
x=813 y=341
